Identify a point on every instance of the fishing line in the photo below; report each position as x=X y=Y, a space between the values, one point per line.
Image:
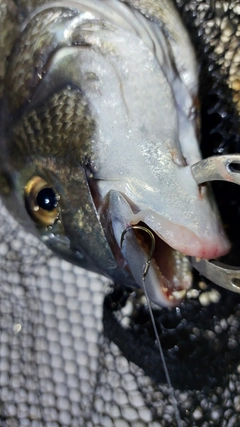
x=145 y=272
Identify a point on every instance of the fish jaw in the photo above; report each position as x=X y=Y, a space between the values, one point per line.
x=165 y=288
x=169 y=276
x=175 y=208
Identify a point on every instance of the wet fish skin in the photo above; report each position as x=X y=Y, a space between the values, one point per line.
x=51 y=129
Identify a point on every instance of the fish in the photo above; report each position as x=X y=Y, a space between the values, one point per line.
x=99 y=128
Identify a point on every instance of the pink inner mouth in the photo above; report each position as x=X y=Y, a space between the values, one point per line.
x=172 y=268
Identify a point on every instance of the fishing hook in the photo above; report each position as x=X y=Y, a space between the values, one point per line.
x=150 y=233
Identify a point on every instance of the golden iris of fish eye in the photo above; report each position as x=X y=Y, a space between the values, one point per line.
x=40 y=215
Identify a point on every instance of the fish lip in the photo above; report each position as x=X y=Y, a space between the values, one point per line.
x=187 y=242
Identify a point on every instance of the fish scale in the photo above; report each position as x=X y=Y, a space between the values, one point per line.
x=67 y=106
x=28 y=59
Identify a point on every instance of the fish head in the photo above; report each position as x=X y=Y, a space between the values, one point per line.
x=98 y=135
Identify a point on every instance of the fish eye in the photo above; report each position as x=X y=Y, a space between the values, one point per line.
x=41 y=201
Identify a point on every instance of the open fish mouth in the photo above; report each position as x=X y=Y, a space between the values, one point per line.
x=169 y=275
x=135 y=244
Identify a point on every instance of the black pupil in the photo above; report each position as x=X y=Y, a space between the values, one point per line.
x=46 y=199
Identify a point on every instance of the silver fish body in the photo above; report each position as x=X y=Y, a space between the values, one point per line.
x=99 y=129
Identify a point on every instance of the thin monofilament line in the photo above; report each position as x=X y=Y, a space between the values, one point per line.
x=174 y=401
x=145 y=272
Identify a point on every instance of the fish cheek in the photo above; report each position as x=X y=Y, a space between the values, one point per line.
x=82 y=224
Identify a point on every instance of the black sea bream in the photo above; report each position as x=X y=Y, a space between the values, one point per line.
x=99 y=129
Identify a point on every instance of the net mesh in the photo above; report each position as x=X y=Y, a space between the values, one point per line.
x=78 y=351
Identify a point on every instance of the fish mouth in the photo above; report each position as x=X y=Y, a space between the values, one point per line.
x=135 y=244
x=168 y=276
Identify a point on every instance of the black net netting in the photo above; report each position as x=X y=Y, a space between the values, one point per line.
x=78 y=351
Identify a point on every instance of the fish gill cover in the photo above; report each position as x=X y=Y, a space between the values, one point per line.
x=76 y=350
